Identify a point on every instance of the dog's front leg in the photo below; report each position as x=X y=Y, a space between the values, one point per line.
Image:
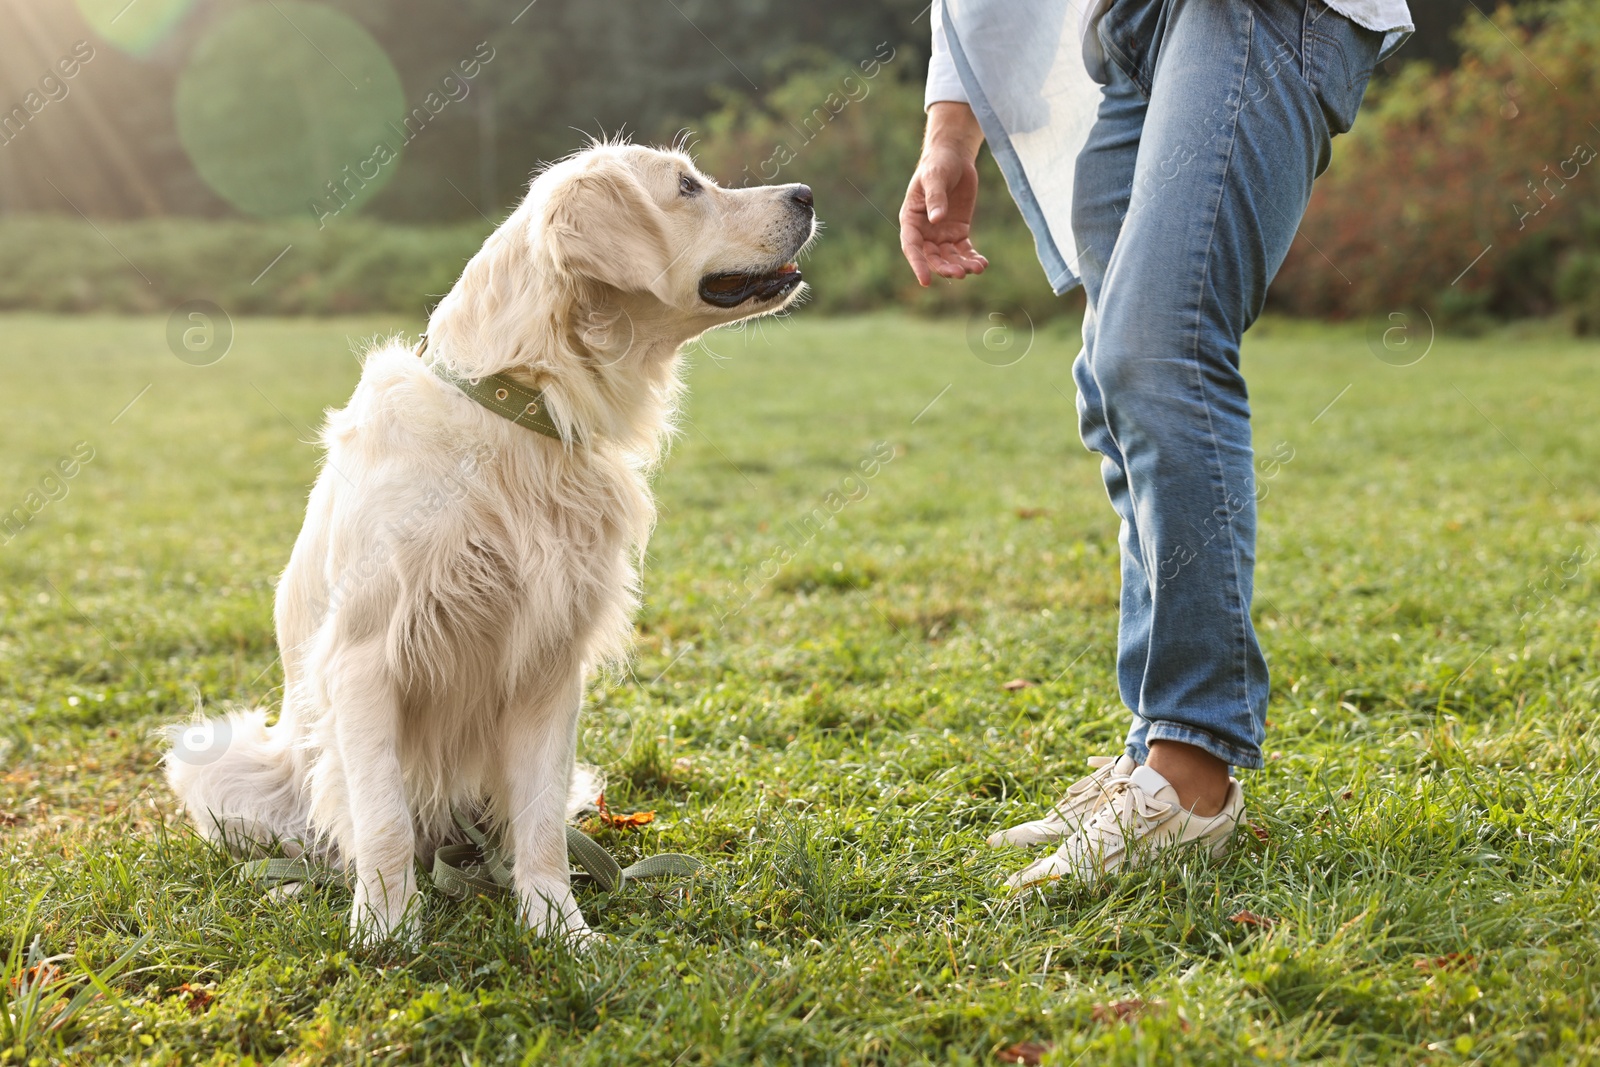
x=540 y=745
x=366 y=714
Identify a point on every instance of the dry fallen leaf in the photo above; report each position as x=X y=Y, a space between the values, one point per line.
x=1031 y=513
x=198 y=998
x=1450 y=961
x=1131 y=1010
x=39 y=974
x=1250 y=918
x=1259 y=831
x=1348 y=794
x=10 y=818
x=1123 y=1011
x=629 y=821
x=1028 y=1052
x=1017 y=683
x=625 y=821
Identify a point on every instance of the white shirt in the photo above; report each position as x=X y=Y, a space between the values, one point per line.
x=1389 y=17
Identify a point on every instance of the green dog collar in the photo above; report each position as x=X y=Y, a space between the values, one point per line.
x=523 y=406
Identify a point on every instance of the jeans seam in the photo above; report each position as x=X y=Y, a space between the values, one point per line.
x=1241 y=644
x=1306 y=22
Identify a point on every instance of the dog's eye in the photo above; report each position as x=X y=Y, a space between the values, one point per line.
x=688 y=186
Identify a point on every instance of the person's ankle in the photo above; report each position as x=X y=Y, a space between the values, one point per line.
x=1199 y=778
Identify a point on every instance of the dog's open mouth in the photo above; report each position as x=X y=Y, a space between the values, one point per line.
x=733 y=288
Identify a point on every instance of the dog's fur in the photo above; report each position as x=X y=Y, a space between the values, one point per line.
x=458 y=575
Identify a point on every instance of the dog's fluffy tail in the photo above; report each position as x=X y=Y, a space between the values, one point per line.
x=588 y=784
x=237 y=779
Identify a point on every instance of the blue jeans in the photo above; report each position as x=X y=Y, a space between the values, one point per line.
x=1216 y=119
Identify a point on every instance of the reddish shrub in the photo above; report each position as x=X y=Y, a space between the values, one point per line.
x=1471 y=192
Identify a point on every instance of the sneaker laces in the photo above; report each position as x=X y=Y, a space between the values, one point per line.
x=1128 y=811
x=1082 y=786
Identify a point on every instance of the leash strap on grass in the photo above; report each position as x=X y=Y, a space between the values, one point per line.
x=587 y=853
x=660 y=865
x=480 y=867
x=461 y=871
x=281 y=872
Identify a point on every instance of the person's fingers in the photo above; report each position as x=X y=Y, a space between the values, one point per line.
x=946 y=264
x=954 y=261
x=938 y=197
x=970 y=258
x=912 y=219
x=932 y=240
x=919 y=266
x=911 y=248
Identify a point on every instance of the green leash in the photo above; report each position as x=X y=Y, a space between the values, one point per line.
x=284 y=872
x=482 y=867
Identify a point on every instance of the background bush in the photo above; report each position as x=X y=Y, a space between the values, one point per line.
x=1443 y=165
x=58 y=264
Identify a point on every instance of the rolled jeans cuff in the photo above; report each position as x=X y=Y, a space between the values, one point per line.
x=1233 y=755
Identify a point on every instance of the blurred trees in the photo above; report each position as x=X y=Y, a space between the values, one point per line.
x=562 y=68
x=1436 y=40
x=570 y=68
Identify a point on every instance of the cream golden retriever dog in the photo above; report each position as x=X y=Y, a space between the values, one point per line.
x=459 y=574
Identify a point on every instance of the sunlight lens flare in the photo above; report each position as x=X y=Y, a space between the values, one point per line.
x=285 y=106
x=135 y=27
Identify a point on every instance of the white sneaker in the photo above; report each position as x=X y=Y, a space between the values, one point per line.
x=1069 y=814
x=1142 y=817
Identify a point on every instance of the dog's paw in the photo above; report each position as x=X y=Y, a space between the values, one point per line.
x=369 y=930
x=580 y=942
x=280 y=893
x=551 y=912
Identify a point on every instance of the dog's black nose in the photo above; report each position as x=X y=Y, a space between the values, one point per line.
x=802 y=196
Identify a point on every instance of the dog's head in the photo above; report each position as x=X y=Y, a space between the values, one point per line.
x=618 y=256
x=646 y=221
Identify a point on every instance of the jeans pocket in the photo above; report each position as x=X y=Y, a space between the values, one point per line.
x=1339 y=56
x=1128 y=33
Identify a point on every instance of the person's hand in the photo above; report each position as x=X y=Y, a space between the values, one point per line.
x=936 y=218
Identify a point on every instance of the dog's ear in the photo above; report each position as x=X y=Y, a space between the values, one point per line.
x=601 y=224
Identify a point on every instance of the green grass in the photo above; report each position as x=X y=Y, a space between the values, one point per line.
x=837 y=747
